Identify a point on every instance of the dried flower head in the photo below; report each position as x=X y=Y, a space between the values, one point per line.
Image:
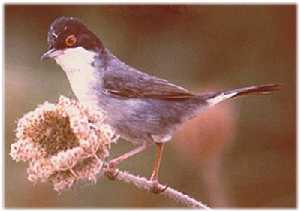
x=63 y=143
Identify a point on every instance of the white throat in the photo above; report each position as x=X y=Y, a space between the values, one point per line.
x=73 y=59
x=77 y=64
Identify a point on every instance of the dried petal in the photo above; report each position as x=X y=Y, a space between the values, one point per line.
x=63 y=142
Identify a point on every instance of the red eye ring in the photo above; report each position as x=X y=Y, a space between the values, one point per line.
x=70 y=40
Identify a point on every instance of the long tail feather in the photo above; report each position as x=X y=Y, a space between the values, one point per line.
x=214 y=98
x=261 y=89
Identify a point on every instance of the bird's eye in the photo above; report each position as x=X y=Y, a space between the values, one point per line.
x=71 y=40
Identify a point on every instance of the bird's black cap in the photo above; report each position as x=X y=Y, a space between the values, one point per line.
x=70 y=32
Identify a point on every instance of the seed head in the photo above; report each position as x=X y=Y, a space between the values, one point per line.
x=63 y=143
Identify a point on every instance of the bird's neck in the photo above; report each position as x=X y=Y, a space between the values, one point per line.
x=78 y=64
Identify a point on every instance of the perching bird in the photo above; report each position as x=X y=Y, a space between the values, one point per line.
x=143 y=109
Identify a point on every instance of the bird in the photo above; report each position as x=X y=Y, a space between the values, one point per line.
x=143 y=109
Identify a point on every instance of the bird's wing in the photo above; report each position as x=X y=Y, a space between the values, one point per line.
x=127 y=82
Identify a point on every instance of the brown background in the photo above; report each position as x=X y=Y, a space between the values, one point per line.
x=239 y=154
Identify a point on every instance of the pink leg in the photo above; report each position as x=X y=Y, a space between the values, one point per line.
x=114 y=162
x=154 y=176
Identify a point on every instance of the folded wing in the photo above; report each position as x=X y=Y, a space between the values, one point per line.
x=134 y=84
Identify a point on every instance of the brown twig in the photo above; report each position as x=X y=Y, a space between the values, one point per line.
x=145 y=184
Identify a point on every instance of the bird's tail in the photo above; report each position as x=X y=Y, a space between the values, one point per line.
x=217 y=97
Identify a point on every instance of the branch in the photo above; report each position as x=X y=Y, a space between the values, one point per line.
x=145 y=184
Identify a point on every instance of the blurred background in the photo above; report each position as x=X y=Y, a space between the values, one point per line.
x=241 y=153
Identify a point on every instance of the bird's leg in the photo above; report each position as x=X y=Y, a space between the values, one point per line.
x=159 y=151
x=154 y=176
x=112 y=173
x=114 y=162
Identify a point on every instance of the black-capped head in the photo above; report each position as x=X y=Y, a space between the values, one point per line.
x=70 y=32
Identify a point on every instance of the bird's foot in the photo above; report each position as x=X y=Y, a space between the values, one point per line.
x=112 y=172
x=157 y=188
x=112 y=164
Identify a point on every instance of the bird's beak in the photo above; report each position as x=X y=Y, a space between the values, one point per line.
x=51 y=53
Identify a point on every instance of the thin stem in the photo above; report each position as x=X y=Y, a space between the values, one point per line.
x=145 y=184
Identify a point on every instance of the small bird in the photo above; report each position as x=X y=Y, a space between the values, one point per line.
x=143 y=109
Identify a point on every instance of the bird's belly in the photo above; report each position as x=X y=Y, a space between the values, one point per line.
x=139 y=120
x=126 y=118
